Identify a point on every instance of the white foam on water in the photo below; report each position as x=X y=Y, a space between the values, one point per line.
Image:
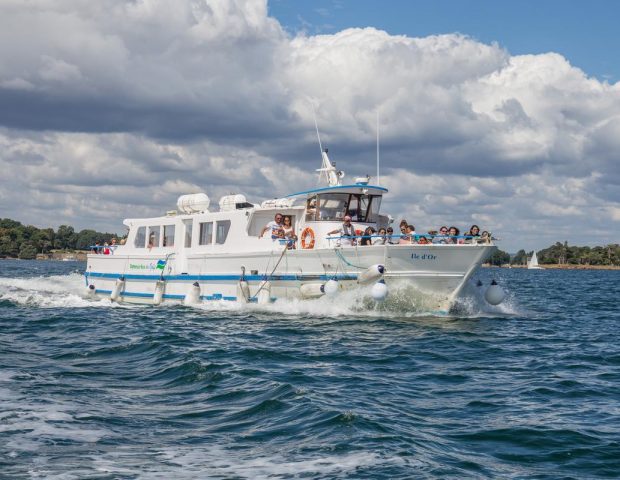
x=402 y=301
x=48 y=291
x=224 y=463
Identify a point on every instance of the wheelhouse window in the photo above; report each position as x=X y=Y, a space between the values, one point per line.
x=206 y=233
x=154 y=233
x=168 y=235
x=334 y=206
x=140 y=239
x=222 y=231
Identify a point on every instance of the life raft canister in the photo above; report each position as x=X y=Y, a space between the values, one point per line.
x=308 y=233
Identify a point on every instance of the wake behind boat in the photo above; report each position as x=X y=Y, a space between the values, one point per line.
x=242 y=252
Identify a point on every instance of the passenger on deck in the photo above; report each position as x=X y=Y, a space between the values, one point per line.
x=453 y=236
x=346 y=232
x=474 y=233
x=106 y=248
x=404 y=238
x=367 y=238
x=113 y=246
x=275 y=226
x=289 y=232
x=422 y=240
x=442 y=237
x=485 y=237
x=411 y=233
x=392 y=239
x=96 y=248
x=382 y=239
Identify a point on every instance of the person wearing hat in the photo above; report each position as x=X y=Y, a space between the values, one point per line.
x=347 y=232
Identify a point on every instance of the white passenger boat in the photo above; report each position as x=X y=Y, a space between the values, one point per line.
x=198 y=254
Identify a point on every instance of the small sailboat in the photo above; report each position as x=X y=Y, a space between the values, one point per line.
x=533 y=263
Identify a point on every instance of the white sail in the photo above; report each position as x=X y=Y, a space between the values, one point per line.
x=533 y=263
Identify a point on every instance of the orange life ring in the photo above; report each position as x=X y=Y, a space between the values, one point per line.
x=308 y=232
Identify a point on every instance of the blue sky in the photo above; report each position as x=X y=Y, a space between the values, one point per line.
x=586 y=33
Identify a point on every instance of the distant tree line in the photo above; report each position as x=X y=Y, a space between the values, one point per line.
x=26 y=241
x=564 y=254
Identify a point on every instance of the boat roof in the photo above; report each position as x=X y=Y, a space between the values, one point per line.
x=355 y=188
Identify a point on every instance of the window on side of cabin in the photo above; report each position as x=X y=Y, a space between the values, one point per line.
x=188 y=232
x=140 y=239
x=206 y=233
x=154 y=233
x=311 y=209
x=373 y=207
x=222 y=231
x=168 y=235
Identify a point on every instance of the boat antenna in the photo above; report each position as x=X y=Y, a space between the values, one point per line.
x=316 y=125
x=378 y=178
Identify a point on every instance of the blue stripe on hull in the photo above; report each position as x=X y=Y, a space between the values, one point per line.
x=215 y=296
x=193 y=278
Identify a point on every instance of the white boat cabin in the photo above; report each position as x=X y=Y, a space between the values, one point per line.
x=237 y=225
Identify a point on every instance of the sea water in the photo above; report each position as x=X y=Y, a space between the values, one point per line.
x=329 y=388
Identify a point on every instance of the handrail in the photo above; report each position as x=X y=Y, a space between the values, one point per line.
x=408 y=235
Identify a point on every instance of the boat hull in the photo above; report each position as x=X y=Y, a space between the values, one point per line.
x=436 y=273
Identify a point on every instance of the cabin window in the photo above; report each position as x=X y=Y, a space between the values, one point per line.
x=334 y=206
x=140 y=239
x=311 y=209
x=168 y=235
x=206 y=233
x=154 y=236
x=222 y=231
x=188 y=232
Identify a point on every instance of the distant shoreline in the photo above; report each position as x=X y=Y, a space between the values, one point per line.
x=562 y=267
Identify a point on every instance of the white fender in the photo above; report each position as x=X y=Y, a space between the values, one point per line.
x=193 y=295
x=243 y=291
x=91 y=291
x=264 y=296
x=331 y=287
x=379 y=291
x=119 y=286
x=312 y=290
x=158 y=297
x=494 y=294
x=371 y=274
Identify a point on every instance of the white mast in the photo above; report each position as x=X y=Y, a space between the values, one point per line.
x=378 y=178
x=332 y=176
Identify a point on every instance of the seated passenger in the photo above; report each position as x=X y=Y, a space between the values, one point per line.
x=422 y=240
x=405 y=238
x=96 y=248
x=453 y=236
x=346 y=232
x=485 y=237
x=367 y=238
x=289 y=232
x=106 y=248
x=382 y=239
x=275 y=226
x=411 y=233
x=442 y=237
x=474 y=233
x=392 y=239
